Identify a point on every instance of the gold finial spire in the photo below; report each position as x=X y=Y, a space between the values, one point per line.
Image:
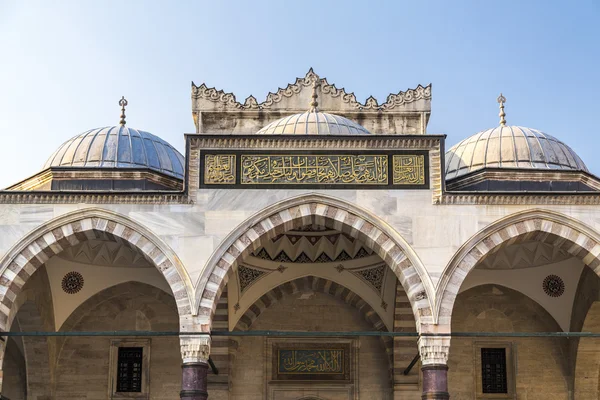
x=122 y=103
x=314 y=103
x=501 y=100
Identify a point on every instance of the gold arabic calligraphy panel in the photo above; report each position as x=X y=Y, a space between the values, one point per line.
x=318 y=169
x=310 y=361
x=219 y=169
x=409 y=170
x=369 y=169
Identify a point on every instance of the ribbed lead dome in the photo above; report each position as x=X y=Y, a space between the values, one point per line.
x=118 y=147
x=313 y=122
x=511 y=147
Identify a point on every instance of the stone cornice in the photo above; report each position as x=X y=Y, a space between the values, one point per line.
x=333 y=142
x=48 y=197
x=521 y=198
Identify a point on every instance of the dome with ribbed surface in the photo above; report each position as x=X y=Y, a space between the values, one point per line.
x=118 y=147
x=511 y=147
x=313 y=122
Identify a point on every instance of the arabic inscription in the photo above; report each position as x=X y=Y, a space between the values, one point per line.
x=219 y=169
x=308 y=361
x=409 y=169
x=314 y=169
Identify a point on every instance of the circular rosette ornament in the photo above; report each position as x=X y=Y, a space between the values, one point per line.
x=72 y=282
x=554 y=286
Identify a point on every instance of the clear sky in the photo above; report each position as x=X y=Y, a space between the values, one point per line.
x=65 y=64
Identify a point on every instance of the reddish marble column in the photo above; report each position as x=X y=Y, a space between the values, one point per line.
x=194 y=383
x=435 y=382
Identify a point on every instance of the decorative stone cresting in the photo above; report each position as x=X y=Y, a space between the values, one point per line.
x=71 y=229
x=571 y=236
x=434 y=350
x=229 y=101
x=195 y=348
x=303 y=211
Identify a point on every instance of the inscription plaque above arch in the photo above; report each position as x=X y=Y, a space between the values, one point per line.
x=315 y=169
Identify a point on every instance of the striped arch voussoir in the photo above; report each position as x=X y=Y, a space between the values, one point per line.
x=567 y=236
x=326 y=215
x=19 y=267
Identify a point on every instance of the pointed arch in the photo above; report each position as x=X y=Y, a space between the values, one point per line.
x=46 y=241
x=325 y=286
x=332 y=213
x=317 y=284
x=553 y=228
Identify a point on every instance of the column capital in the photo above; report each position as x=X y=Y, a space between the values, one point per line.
x=194 y=348
x=434 y=350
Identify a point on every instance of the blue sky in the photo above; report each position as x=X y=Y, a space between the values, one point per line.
x=64 y=65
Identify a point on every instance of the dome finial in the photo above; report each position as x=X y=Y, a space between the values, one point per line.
x=314 y=103
x=501 y=100
x=122 y=103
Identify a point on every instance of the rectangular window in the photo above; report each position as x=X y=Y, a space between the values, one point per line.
x=129 y=369
x=493 y=370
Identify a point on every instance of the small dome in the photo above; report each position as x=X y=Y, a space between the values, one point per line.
x=511 y=147
x=313 y=122
x=118 y=147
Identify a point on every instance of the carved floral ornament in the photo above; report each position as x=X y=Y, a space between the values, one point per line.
x=393 y=100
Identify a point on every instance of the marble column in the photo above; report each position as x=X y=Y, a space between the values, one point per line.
x=194 y=351
x=434 y=364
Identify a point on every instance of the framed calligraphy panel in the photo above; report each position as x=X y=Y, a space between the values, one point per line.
x=317 y=169
x=311 y=361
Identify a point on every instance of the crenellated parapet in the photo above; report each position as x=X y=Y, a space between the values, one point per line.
x=215 y=111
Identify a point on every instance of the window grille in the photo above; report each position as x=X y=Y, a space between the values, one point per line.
x=493 y=370
x=129 y=369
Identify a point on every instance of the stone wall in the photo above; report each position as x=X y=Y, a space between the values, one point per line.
x=309 y=311
x=27 y=366
x=14 y=383
x=83 y=363
x=541 y=363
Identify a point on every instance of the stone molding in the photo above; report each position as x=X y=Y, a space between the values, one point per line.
x=281 y=142
x=195 y=348
x=434 y=350
x=520 y=199
x=48 y=197
x=566 y=233
x=325 y=211
x=32 y=251
x=228 y=101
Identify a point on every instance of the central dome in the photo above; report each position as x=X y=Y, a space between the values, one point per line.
x=313 y=122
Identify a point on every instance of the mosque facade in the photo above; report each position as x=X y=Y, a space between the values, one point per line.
x=307 y=247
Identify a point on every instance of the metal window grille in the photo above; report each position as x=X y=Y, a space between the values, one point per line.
x=129 y=369
x=493 y=370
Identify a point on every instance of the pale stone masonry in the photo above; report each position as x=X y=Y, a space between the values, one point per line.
x=309 y=211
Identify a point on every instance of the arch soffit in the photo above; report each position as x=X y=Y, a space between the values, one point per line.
x=479 y=307
x=110 y=293
x=571 y=235
x=318 y=284
x=325 y=210
x=35 y=248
